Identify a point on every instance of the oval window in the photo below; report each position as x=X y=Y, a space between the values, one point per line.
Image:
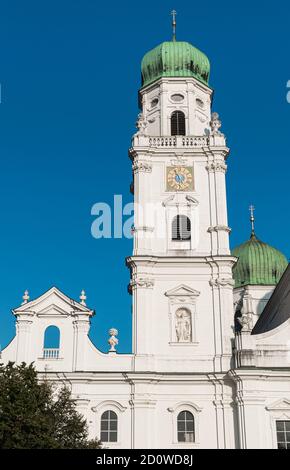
x=199 y=103
x=154 y=102
x=177 y=97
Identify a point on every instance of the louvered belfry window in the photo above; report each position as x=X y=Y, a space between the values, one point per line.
x=177 y=123
x=181 y=228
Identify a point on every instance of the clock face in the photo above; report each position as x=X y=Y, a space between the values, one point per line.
x=179 y=178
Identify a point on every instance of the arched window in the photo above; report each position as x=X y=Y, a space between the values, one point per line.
x=109 y=426
x=181 y=228
x=177 y=123
x=185 y=427
x=51 y=342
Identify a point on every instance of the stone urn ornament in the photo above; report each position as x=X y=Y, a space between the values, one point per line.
x=113 y=341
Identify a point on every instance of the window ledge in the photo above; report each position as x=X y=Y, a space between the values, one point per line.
x=186 y=445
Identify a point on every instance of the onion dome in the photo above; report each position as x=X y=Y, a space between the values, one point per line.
x=174 y=59
x=258 y=263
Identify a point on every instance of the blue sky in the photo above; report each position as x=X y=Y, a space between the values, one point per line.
x=69 y=73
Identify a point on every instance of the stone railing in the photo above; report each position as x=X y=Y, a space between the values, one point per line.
x=178 y=141
x=50 y=353
x=162 y=141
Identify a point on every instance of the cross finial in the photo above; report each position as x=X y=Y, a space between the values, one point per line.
x=173 y=13
x=252 y=219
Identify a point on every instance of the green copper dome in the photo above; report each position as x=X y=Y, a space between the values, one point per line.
x=174 y=59
x=258 y=263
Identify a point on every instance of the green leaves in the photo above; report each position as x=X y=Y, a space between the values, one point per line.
x=35 y=416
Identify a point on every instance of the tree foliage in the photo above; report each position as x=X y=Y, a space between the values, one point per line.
x=35 y=416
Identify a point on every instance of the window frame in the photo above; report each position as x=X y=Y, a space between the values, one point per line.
x=278 y=411
x=51 y=353
x=109 y=430
x=195 y=410
x=176 y=113
x=98 y=408
x=180 y=229
x=188 y=418
x=284 y=431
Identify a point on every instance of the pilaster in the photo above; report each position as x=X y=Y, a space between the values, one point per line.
x=23 y=335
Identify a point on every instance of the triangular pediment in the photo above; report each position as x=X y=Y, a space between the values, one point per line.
x=279 y=405
x=182 y=291
x=53 y=302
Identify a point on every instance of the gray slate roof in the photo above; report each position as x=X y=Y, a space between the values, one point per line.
x=277 y=310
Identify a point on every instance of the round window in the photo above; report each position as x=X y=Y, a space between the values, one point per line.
x=177 y=97
x=199 y=103
x=154 y=102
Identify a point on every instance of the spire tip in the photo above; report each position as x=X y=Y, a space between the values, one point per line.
x=252 y=220
x=173 y=14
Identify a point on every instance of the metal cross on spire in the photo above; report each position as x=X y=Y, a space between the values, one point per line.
x=173 y=13
x=252 y=219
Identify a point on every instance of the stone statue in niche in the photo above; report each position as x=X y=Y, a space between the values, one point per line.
x=183 y=325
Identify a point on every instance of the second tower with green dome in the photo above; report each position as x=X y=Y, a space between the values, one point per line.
x=258 y=270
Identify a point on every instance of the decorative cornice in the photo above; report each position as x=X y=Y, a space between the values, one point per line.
x=182 y=291
x=186 y=405
x=182 y=294
x=280 y=405
x=108 y=403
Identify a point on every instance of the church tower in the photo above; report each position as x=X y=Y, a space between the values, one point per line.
x=181 y=268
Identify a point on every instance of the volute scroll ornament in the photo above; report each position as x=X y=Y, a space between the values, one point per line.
x=142 y=282
x=216 y=166
x=221 y=282
x=141 y=166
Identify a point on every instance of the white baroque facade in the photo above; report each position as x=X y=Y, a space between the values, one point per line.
x=190 y=381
